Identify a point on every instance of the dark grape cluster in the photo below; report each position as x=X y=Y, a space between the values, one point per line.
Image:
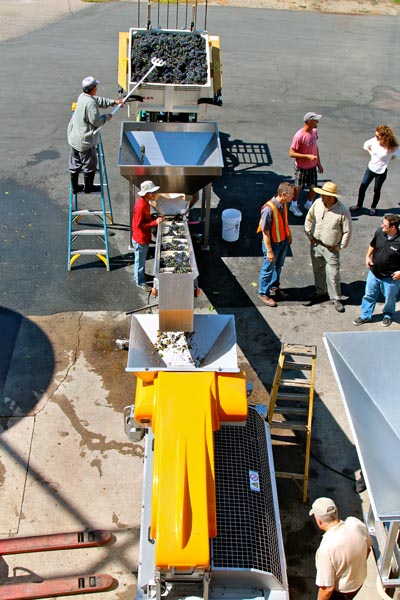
x=179 y=262
x=174 y=228
x=173 y=245
x=184 y=55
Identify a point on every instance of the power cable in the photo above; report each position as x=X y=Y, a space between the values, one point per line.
x=332 y=469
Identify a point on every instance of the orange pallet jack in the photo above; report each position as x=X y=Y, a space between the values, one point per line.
x=62 y=586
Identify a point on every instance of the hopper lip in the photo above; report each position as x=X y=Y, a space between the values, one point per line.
x=145 y=328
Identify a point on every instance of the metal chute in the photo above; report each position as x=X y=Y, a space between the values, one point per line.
x=366 y=369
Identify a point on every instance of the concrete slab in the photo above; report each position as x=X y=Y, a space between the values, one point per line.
x=15 y=447
x=71 y=467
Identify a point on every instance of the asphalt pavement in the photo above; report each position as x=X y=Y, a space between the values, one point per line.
x=65 y=463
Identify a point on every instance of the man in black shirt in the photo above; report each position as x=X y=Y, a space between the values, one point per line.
x=383 y=262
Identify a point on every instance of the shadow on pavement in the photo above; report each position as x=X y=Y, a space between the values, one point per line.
x=32 y=364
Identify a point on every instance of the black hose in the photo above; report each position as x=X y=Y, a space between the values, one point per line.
x=331 y=468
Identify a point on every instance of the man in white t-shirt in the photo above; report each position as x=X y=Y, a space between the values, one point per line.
x=341 y=558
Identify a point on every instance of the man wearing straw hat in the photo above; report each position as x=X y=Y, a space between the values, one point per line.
x=328 y=227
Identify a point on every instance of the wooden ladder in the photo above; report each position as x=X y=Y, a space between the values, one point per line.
x=292 y=398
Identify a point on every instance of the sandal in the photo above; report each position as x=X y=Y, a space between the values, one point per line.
x=372 y=211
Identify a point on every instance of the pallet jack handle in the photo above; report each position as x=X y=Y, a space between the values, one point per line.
x=156 y=62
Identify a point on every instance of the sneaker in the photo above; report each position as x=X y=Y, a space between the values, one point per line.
x=144 y=287
x=338 y=306
x=387 y=321
x=267 y=300
x=360 y=321
x=372 y=211
x=277 y=294
x=315 y=299
x=295 y=209
x=354 y=208
x=308 y=205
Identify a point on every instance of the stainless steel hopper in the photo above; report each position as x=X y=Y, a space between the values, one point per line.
x=179 y=157
x=365 y=365
x=212 y=346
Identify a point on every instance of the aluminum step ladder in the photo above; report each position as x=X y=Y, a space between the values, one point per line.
x=102 y=212
x=291 y=401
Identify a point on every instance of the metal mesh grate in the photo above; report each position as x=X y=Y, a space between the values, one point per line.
x=247 y=534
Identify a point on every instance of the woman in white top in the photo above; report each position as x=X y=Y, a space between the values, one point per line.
x=382 y=148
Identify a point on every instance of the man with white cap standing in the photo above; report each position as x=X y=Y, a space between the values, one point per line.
x=341 y=558
x=86 y=118
x=304 y=149
x=328 y=227
x=142 y=223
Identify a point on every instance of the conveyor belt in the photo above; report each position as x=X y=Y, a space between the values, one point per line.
x=247 y=520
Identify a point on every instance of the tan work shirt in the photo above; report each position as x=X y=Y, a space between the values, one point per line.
x=341 y=559
x=331 y=226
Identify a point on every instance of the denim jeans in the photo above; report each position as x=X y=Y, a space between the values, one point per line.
x=271 y=271
x=140 y=262
x=379 y=181
x=389 y=288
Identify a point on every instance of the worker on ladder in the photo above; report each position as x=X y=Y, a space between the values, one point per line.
x=85 y=119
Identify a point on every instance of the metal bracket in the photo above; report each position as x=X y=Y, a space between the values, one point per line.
x=134 y=430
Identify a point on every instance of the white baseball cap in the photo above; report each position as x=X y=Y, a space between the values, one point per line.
x=89 y=83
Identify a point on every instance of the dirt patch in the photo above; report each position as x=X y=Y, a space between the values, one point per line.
x=20 y=18
x=349 y=7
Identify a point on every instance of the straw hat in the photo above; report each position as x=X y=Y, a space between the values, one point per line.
x=328 y=189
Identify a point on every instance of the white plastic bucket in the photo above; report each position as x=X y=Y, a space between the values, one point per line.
x=231 y=218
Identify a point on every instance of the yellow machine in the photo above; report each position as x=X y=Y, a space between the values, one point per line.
x=184 y=410
x=210 y=524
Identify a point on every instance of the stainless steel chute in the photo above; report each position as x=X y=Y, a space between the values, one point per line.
x=365 y=365
x=366 y=369
x=181 y=158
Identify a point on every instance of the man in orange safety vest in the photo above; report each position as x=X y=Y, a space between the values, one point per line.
x=276 y=238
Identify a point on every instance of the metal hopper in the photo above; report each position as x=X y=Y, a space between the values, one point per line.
x=364 y=364
x=366 y=369
x=179 y=157
x=211 y=347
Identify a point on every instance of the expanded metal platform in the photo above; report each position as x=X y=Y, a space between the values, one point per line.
x=249 y=533
x=247 y=556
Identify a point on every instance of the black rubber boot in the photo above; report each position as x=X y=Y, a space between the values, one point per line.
x=89 y=186
x=75 y=186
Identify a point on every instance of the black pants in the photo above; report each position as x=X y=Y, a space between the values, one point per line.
x=344 y=595
x=83 y=161
x=379 y=181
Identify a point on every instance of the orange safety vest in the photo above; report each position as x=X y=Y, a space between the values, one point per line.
x=280 y=229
